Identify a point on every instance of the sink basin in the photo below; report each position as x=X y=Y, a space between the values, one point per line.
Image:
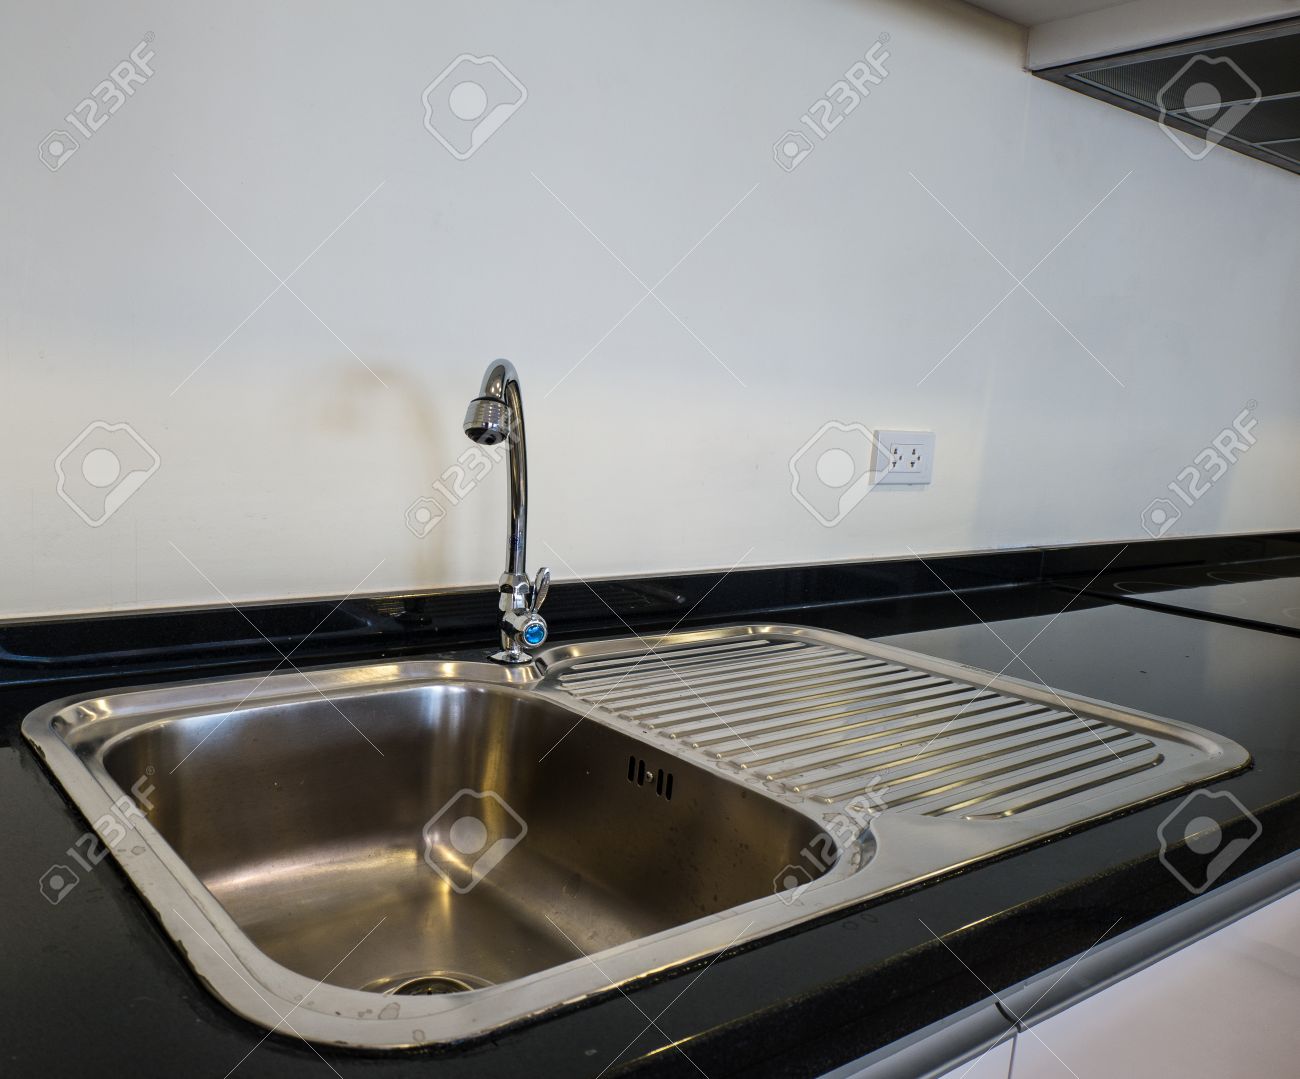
x=307 y=836
x=405 y=854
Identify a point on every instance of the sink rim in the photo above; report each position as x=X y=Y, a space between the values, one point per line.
x=221 y=954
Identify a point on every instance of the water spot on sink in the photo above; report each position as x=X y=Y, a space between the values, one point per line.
x=391 y=1011
x=417 y=1034
x=573 y=885
x=137 y=849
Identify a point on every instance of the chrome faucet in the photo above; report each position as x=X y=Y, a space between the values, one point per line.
x=497 y=415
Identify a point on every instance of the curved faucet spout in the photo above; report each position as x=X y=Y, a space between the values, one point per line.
x=497 y=415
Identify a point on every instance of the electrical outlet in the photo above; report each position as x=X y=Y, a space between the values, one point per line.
x=904 y=457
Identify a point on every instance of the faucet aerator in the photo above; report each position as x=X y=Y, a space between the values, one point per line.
x=487 y=421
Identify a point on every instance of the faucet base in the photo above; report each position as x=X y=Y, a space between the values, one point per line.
x=512 y=656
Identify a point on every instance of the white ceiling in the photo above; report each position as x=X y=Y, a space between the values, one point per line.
x=1062 y=31
x=1032 y=12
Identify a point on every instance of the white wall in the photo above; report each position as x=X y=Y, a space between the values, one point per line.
x=286 y=465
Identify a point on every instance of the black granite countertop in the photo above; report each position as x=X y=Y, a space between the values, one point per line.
x=92 y=984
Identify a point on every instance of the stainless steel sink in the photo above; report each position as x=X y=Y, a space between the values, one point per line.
x=307 y=836
x=401 y=854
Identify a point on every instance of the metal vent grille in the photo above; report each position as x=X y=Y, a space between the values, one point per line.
x=1270 y=64
x=1288 y=148
x=1240 y=88
x=829 y=724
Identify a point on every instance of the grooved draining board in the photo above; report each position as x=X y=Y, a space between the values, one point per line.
x=828 y=718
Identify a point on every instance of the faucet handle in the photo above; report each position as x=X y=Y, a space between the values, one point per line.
x=523 y=626
x=541 y=585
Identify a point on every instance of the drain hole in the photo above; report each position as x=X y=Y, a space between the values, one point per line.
x=431 y=984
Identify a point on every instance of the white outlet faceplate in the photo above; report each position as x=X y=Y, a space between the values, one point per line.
x=904 y=457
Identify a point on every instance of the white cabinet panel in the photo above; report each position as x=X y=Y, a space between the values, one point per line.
x=1225 y=1007
x=994 y=1064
